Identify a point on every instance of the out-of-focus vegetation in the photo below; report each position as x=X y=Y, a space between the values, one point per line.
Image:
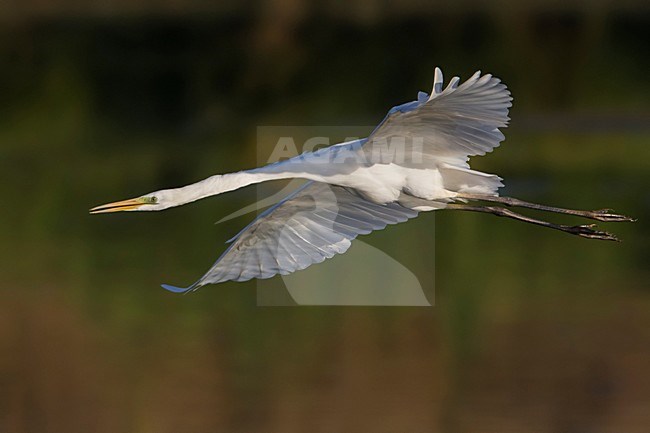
x=533 y=331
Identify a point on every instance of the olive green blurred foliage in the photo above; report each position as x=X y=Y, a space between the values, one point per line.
x=532 y=330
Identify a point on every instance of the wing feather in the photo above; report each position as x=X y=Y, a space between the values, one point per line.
x=449 y=126
x=314 y=223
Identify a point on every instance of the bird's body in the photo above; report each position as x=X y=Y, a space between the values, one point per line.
x=379 y=183
x=415 y=160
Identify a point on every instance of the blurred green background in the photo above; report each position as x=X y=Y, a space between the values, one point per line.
x=533 y=330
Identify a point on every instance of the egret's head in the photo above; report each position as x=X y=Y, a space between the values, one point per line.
x=158 y=200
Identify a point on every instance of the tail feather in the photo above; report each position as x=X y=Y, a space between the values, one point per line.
x=468 y=181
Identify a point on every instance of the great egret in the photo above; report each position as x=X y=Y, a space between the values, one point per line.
x=415 y=160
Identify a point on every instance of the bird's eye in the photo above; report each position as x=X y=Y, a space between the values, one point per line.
x=153 y=199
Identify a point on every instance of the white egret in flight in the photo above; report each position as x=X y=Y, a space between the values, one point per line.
x=415 y=160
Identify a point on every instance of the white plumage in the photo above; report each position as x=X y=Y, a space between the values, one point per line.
x=415 y=160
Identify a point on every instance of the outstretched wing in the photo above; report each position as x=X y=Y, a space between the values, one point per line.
x=448 y=126
x=312 y=224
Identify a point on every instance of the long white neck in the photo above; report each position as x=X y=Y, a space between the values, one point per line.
x=320 y=166
x=221 y=183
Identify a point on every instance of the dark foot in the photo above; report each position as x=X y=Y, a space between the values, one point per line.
x=608 y=215
x=587 y=231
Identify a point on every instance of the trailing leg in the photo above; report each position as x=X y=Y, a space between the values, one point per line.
x=585 y=231
x=606 y=215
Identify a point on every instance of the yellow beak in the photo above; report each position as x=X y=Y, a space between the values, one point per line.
x=131 y=204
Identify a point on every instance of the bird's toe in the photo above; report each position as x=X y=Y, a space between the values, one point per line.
x=608 y=215
x=589 y=231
